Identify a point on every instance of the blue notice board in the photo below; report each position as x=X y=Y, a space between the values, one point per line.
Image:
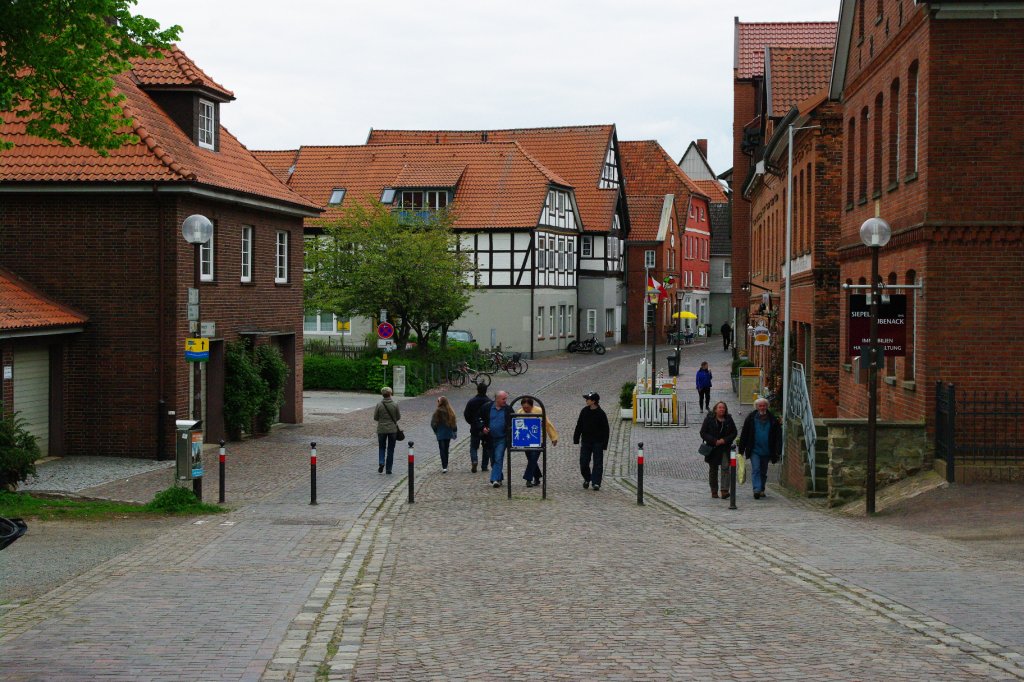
x=526 y=431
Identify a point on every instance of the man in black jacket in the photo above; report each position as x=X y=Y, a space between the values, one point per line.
x=471 y=414
x=591 y=435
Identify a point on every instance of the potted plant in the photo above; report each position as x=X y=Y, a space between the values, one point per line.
x=626 y=400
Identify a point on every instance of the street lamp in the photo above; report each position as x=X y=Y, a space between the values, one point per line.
x=197 y=229
x=875 y=234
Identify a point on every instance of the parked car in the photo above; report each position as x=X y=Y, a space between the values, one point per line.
x=460 y=335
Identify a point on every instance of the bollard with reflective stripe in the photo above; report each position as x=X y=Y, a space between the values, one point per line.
x=412 y=473
x=312 y=473
x=640 y=473
x=732 y=478
x=222 y=461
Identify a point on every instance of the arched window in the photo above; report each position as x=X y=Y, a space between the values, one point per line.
x=851 y=177
x=809 y=212
x=876 y=143
x=894 y=133
x=862 y=195
x=913 y=119
x=909 y=361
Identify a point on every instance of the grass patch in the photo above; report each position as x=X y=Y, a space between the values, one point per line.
x=173 y=501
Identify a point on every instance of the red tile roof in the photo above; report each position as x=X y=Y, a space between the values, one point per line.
x=645 y=216
x=650 y=172
x=279 y=162
x=575 y=153
x=163 y=154
x=23 y=307
x=497 y=185
x=713 y=190
x=752 y=39
x=796 y=73
x=174 y=71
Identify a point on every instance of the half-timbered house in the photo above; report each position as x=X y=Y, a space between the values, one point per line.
x=519 y=220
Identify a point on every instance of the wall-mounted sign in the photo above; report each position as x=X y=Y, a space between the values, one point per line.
x=761 y=336
x=208 y=329
x=197 y=350
x=8 y=372
x=892 y=325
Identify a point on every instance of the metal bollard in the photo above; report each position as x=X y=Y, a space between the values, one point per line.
x=312 y=473
x=732 y=478
x=222 y=462
x=640 y=473
x=412 y=473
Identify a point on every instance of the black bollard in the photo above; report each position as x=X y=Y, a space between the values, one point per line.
x=222 y=461
x=412 y=473
x=312 y=473
x=732 y=478
x=640 y=473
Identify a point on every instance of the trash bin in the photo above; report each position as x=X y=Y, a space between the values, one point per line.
x=189 y=449
x=673 y=365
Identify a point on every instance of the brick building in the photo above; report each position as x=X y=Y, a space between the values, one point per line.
x=100 y=238
x=669 y=237
x=933 y=113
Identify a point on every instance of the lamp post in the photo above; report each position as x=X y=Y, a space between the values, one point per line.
x=875 y=234
x=197 y=229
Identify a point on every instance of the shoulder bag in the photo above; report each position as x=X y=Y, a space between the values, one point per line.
x=399 y=434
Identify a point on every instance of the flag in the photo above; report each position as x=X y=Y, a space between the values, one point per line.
x=653 y=286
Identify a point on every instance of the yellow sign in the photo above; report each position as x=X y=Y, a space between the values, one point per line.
x=384 y=360
x=197 y=345
x=344 y=326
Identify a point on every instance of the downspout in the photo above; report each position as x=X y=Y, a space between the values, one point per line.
x=161 y=300
x=533 y=287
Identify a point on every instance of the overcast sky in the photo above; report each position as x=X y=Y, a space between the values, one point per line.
x=320 y=72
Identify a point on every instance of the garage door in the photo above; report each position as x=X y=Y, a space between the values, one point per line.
x=32 y=393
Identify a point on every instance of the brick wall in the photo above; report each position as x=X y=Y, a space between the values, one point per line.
x=100 y=254
x=744 y=98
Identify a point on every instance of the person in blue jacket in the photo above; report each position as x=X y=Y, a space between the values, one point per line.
x=704 y=387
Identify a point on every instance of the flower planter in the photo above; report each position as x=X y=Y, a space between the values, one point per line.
x=626 y=412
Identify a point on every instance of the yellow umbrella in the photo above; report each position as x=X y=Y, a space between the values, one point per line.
x=684 y=315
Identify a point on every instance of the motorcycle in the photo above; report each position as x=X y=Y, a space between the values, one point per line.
x=591 y=345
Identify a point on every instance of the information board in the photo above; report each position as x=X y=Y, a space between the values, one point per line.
x=526 y=432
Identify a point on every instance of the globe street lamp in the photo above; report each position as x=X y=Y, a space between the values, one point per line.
x=875 y=234
x=198 y=230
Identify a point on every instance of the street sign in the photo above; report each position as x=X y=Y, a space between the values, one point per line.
x=385 y=330
x=193 y=312
x=197 y=350
x=193 y=296
x=386 y=344
x=892 y=325
x=526 y=432
x=344 y=325
x=384 y=360
x=383 y=315
x=208 y=329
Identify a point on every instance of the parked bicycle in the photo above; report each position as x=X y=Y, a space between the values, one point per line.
x=457 y=375
x=591 y=345
x=513 y=364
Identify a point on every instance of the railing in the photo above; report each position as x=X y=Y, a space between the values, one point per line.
x=800 y=408
x=978 y=427
x=657 y=409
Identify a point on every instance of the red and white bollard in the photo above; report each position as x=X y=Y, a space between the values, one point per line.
x=223 y=460
x=640 y=473
x=412 y=473
x=312 y=473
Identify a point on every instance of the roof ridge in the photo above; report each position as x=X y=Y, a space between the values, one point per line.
x=490 y=130
x=384 y=145
x=154 y=146
x=547 y=172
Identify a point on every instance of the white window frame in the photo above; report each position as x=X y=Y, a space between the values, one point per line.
x=591 y=320
x=586 y=246
x=540 y=322
x=570 y=321
x=206 y=263
x=561 y=320
x=246 y=264
x=727 y=269
x=206 y=135
x=551 y=321
x=650 y=259
x=281 y=257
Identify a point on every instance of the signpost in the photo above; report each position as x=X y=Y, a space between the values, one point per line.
x=527 y=433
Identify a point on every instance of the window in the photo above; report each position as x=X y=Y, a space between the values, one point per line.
x=591 y=321
x=610 y=172
x=851 y=177
x=876 y=143
x=586 y=247
x=424 y=200
x=913 y=119
x=327 y=323
x=540 y=322
x=570 y=321
x=281 y=264
x=558 y=211
x=727 y=269
x=387 y=196
x=207 y=123
x=551 y=321
x=863 y=166
x=561 y=320
x=246 y=253
x=206 y=259
x=649 y=259
x=337 y=196
x=702 y=214
x=561 y=254
x=570 y=247
x=894 y=133
x=609 y=321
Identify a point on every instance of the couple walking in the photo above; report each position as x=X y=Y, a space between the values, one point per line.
x=760 y=441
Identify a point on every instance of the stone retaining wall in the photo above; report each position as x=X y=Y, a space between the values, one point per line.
x=902 y=449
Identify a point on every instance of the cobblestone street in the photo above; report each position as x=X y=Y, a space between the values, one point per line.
x=466 y=584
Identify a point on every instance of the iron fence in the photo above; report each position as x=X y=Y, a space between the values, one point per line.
x=977 y=427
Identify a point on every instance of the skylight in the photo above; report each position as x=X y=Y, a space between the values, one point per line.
x=337 y=195
x=387 y=196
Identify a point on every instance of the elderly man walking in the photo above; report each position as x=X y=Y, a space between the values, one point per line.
x=492 y=421
x=761 y=443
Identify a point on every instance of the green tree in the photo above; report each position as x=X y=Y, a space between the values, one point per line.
x=57 y=62
x=407 y=264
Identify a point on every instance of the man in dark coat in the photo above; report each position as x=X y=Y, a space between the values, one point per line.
x=726 y=331
x=761 y=443
x=471 y=414
x=591 y=435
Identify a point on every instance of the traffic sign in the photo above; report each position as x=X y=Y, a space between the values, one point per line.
x=197 y=350
x=385 y=330
x=526 y=432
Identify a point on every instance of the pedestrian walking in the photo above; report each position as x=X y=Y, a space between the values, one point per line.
x=704 y=387
x=445 y=428
x=386 y=415
x=533 y=473
x=492 y=422
x=761 y=443
x=726 y=331
x=591 y=435
x=471 y=414
x=717 y=434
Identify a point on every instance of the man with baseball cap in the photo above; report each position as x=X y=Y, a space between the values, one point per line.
x=591 y=435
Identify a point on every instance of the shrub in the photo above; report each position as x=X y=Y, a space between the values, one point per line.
x=18 y=452
x=740 y=362
x=179 y=501
x=244 y=389
x=626 y=395
x=274 y=371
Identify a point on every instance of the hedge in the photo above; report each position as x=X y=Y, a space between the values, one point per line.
x=339 y=373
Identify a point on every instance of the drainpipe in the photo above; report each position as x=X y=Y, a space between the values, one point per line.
x=161 y=443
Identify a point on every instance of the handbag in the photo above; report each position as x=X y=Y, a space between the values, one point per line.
x=399 y=434
x=704 y=450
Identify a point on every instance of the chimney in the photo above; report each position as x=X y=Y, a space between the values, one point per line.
x=702 y=145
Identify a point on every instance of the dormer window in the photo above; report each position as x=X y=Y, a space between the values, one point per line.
x=424 y=200
x=207 y=122
x=558 y=210
x=337 y=196
x=610 y=171
x=387 y=196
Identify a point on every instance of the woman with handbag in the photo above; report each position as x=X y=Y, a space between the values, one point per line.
x=445 y=428
x=717 y=434
x=387 y=415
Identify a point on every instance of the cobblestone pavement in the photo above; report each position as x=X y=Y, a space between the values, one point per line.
x=466 y=584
